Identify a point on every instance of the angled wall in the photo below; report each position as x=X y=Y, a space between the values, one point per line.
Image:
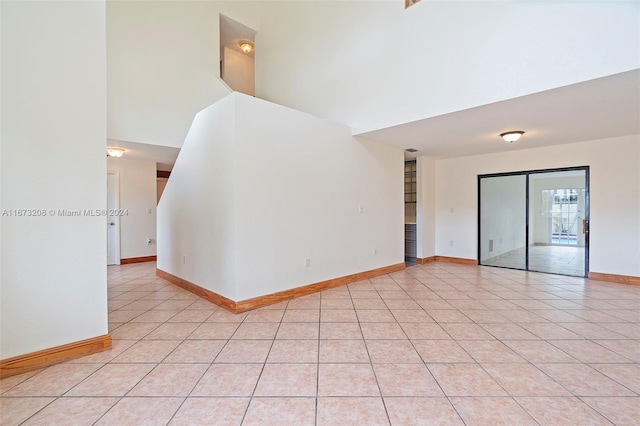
x=197 y=211
x=300 y=183
x=259 y=188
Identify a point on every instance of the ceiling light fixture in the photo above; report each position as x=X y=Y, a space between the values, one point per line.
x=115 y=152
x=246 y=46
x=512 y=136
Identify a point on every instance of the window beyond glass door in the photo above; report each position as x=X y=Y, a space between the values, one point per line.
x=558 y=222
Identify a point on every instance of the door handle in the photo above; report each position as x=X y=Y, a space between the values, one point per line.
x=112 y=223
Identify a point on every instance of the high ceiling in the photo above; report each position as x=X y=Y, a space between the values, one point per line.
x=601 y=108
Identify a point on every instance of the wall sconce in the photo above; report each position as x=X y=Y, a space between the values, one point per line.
x=512 y=136
x=115 y=152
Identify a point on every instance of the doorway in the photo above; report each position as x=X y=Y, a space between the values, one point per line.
x=535 y=220
x=237 y=56
x=113 y=221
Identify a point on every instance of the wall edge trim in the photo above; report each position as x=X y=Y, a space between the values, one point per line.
x=460 y=260
x=202 y=292
x=614 y=278
x=138 y=259
x=56 y=355
x=269 y=299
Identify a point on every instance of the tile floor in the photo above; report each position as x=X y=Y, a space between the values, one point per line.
x=566 y=260
x=433 y=344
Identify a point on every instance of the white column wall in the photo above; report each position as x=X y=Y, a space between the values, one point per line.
x=53 y=283
x=197 y=211
x=426 y=206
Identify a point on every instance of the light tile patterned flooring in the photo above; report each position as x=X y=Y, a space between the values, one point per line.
x=433 y=344
x=566 y=260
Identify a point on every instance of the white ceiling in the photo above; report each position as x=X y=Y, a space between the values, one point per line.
x=164 y=156
x=601 y=108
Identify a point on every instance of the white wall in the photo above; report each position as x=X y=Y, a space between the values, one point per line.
x=160 y=184
x=138 y=185
x=615 y=197
x=164 y=65
x=367 y=64
x=239 y=71
x=53 y=128
x=300 y=182
x=197 y=212
x=374 y=64
x=426 y=206
x=258 y=188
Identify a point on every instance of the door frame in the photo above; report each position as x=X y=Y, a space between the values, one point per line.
x=527 y=173
x=115 y=218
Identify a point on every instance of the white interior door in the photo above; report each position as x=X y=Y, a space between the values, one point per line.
x=113 y=221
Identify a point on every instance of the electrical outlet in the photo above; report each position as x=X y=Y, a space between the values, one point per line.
x=307 y=262
x=375 y=251
x=451 y=243
x=360 y=208
x=184 y=259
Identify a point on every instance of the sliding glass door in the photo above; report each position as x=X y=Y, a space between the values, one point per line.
x=503 y=208
x=535 y=220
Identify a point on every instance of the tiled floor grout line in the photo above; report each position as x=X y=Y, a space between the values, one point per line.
x=515 y=400
x=371 y=366
x=475 y=295
x=204 y=372
x=488 y=373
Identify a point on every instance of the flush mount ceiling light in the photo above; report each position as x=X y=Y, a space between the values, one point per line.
x=246 y=46
x=512 y=136
x=115 y=152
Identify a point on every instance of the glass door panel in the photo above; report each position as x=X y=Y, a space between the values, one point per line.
x=557 y=202
x=503 y=235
